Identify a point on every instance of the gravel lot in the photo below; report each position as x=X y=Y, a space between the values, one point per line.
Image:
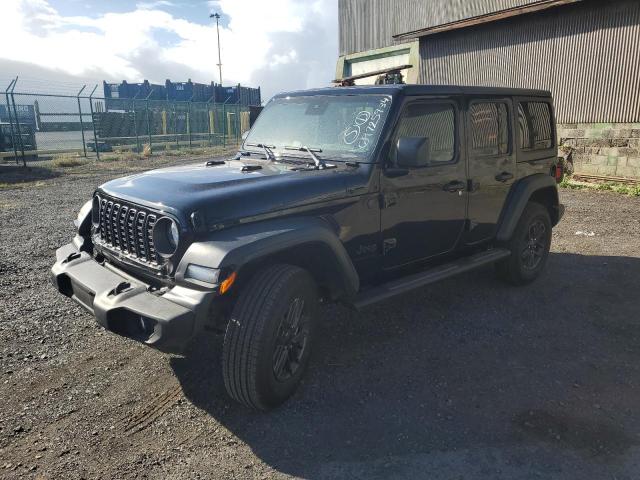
x=465 y=379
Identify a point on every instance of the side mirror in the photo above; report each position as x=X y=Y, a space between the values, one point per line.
x=412 y=152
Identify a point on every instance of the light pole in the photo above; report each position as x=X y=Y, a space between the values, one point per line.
x=217 y=17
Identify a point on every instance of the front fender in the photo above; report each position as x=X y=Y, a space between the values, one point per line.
x=239 y=246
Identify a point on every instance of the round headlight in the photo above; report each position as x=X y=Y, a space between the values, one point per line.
x=175 y=235
x=166 y=236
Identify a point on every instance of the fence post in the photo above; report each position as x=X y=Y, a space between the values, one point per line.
x=149 y=123
x=84 y=145
x=15 y=113
x=189 y=120
x=238 y=123
x=13 y=138
x=93 y=123
x=225 y=120
x=175 y=125
x=135 y=122
x=210 y=119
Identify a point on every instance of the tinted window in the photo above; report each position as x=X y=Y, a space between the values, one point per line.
x=489 y=128
x=534 y=124
x=434 y=121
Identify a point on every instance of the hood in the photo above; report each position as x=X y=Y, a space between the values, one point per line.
x=231 y=191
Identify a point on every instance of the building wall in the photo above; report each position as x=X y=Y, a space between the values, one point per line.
x=413 y=15
x=371 y=24
x=611 y=149
x=587 y=54
x=366 y=24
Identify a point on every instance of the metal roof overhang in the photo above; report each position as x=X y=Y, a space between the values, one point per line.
x=490 y=17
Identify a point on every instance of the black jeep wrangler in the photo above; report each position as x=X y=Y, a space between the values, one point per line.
x=352 y=194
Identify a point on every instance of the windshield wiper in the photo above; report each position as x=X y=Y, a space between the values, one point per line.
x=267 y=150
x=319 y=163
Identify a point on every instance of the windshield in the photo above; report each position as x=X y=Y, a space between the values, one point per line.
x=341 y=127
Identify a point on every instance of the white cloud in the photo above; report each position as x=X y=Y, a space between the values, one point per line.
x=260 y=38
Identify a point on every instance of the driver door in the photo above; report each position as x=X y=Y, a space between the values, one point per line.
x=424 y=207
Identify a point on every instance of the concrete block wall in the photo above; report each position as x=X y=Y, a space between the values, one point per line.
x=611 y=149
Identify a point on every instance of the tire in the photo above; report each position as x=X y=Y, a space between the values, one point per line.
x=529 y=247
x=264 y=355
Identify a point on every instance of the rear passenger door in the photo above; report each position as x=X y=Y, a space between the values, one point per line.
x=491 y=164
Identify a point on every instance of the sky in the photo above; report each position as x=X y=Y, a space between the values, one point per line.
x=59 y=45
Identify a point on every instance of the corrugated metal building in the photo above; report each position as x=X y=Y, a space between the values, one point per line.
x=586 y=52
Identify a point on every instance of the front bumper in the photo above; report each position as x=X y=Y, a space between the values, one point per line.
x=126 y=306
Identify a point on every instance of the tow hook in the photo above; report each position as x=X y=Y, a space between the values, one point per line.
x=72 y=256
x=121 y=287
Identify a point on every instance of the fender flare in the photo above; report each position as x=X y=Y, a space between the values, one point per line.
x=238 y=246
x=517 y=200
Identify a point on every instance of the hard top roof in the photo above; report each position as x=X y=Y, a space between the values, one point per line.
x=413 y=89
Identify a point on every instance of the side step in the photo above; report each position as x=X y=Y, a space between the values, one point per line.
x=411 y=282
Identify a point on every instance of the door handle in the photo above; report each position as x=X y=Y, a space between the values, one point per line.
x=455 y=186
x=504 y=177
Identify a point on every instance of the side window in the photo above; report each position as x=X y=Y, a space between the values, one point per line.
x=489 y=128
x=437 y=122
x=535 y=127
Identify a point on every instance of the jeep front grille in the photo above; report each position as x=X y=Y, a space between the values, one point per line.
x=127 y=228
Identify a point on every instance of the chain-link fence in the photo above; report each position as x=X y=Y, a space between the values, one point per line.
x=39 y=126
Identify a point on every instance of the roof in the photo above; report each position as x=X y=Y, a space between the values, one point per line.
x=414 y=89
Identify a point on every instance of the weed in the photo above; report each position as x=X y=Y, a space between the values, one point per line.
x=68 y=161
x=621 y=188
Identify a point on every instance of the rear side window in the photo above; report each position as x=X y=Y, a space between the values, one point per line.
x=436 y=122
x=489 y=128
x=534 y=125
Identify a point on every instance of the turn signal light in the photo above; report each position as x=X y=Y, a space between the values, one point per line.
x=227 y=283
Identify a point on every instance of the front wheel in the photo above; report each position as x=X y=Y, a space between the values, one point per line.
x=268 y=338
x=529 y=245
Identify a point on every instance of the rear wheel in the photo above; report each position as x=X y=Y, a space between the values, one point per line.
x=268 y=338
x=529 y=247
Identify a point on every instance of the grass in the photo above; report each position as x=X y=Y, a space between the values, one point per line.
x=21 y=184
x=120 y=157
x=68 y=161
x=621 y=188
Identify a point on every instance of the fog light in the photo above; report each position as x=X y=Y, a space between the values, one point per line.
x=202 y=274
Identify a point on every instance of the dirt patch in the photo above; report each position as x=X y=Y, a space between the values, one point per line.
x=430 y=381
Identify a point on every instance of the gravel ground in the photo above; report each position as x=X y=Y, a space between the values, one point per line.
x=465 y=379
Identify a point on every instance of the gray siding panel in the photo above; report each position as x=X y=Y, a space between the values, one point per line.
x=419 y=14
x=588 y=55
x=370 y=24
x=365 y=24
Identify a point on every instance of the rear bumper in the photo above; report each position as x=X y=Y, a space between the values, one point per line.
x=125 y=305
